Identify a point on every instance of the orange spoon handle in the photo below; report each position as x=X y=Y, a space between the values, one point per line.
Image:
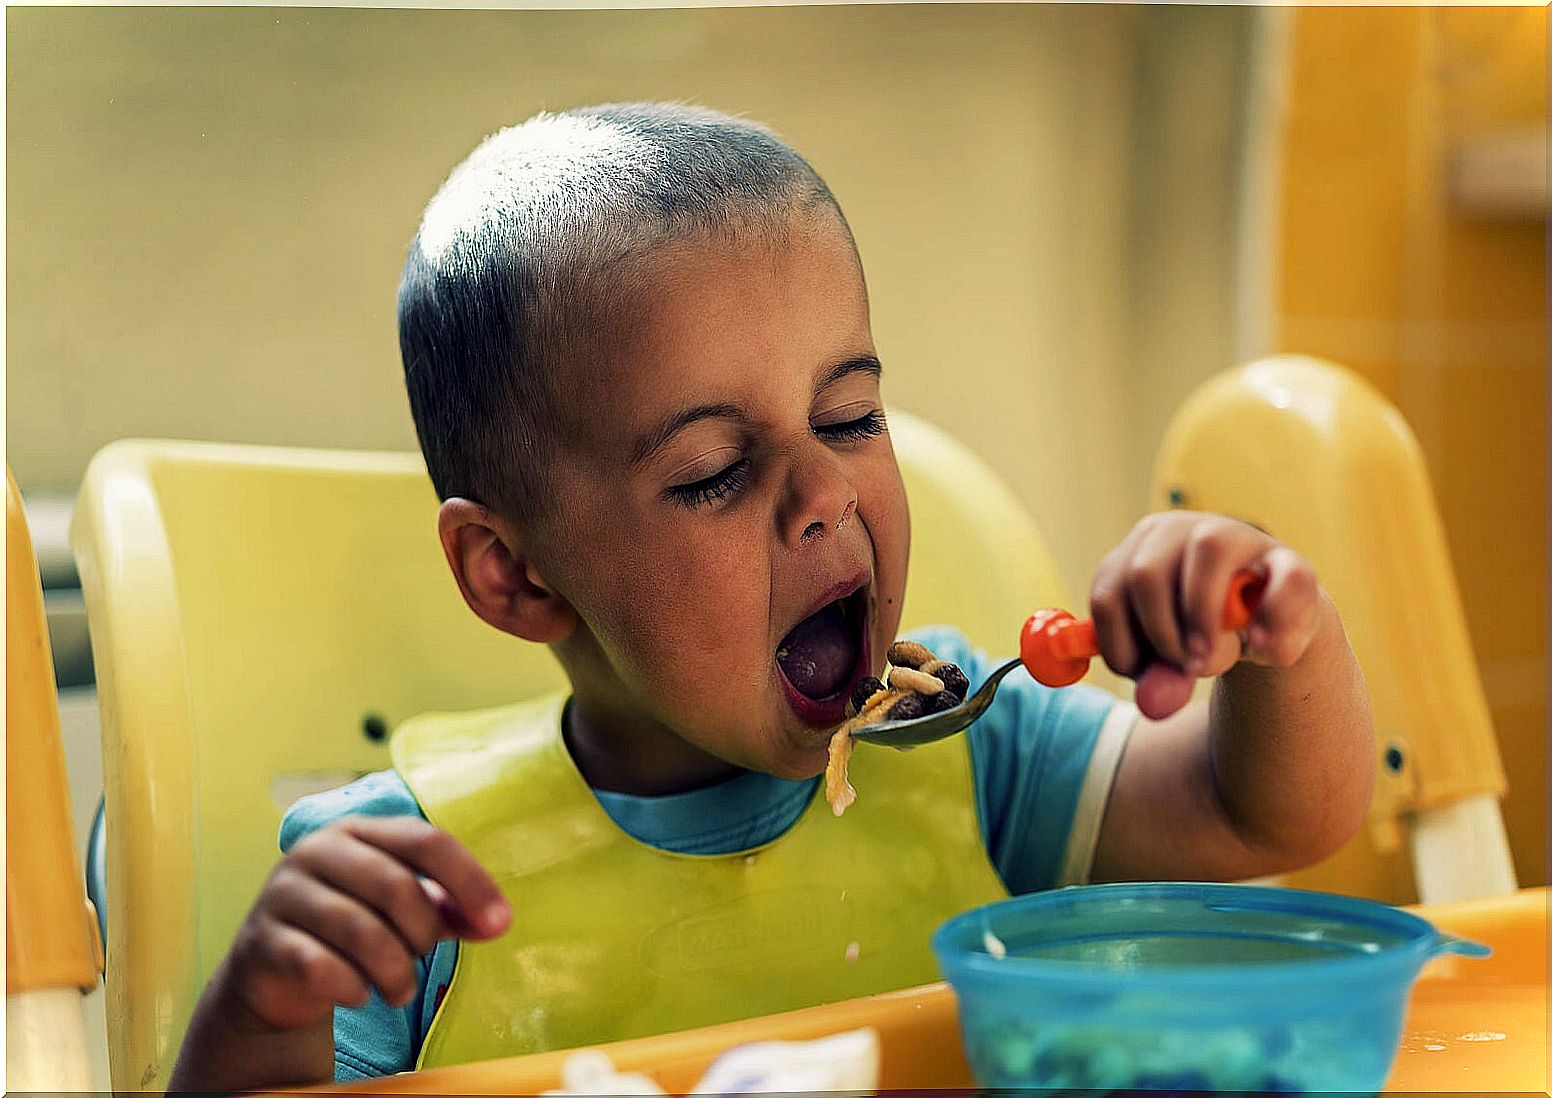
x=1056 y=647
x=1075 y=640
x=1245 y=591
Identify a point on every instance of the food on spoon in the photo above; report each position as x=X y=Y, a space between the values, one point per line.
x=945 y=701
x=863 y=691
x=918 y=684
x=952 y=678
x=838 y=790
x=910 y=654
x=905 y=679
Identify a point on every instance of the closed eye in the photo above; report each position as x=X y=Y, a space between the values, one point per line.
x=853 y=430
x=727 y=481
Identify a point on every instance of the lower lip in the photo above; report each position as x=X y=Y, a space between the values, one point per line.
x=829 y=711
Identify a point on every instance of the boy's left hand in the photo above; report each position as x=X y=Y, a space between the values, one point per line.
x=1158 y=597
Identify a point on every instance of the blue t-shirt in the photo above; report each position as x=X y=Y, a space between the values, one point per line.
x=1031 y=754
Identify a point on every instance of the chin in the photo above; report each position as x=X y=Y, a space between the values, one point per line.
x=801 y=761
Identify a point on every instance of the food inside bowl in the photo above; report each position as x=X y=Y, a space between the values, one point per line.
x=1307 y=1058
x=1185 y=987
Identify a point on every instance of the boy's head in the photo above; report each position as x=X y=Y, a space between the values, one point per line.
x=638 y=354
x=523 y=253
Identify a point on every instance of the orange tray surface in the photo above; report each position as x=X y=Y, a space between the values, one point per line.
x=1474 y=1026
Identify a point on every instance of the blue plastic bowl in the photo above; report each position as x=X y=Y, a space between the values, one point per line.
x=1185 y=987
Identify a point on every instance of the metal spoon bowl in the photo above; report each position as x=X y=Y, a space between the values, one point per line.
x=935 y=726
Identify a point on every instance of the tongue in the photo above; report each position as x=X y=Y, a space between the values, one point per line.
x=818 y=656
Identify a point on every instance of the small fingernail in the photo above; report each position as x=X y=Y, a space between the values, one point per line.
x=1256 y=635
x=496 y=915
x=1194 y=665
x=1200 y=646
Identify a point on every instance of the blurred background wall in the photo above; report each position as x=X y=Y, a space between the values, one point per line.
x=208 y=209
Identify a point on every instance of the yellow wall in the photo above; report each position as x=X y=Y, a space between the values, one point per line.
x=1446 y=313
x=208 y=209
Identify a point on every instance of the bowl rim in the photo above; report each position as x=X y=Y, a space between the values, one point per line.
x=1423 y=941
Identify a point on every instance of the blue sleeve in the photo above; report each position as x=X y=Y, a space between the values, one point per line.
x=376 y=1039
x=1029 y=752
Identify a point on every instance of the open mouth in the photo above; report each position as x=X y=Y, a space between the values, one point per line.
x=823 y=656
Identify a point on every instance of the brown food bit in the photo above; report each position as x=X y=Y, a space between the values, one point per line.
x=953 y=679
x=945 y=701
x=863 y=691
x=908 y=708
x=909 y=654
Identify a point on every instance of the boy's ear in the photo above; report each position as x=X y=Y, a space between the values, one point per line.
x=497 y=580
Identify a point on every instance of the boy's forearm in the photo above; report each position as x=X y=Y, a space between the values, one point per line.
x=223 y=1053
x=1293 y=749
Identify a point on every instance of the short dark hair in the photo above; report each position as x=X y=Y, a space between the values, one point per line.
x=521 y=239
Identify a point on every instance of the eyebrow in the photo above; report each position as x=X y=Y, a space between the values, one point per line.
x=862 y=364
x=655 y=439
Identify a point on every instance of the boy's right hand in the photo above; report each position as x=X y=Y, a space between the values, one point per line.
x=350 y=908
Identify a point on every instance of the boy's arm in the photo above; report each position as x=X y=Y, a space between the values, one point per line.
x=346 y=910
x=1273 y=774
x=226 y=1049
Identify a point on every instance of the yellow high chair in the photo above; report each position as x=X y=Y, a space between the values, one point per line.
x=261 y=617
x=52 y=955
x=1315 y=456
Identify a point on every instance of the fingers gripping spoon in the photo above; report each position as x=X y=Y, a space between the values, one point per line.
x=1055 y=648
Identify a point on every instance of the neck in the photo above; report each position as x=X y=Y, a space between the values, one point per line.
x=620 y=753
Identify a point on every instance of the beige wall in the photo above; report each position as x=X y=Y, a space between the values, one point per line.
x=208 y=209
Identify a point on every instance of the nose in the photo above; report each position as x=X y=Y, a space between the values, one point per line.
x=820 y=498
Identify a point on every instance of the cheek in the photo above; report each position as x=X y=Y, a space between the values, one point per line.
x=889 y=525
x=899 y=529
x=681 y=607
x=889 y=529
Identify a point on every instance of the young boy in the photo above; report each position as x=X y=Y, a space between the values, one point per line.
x=638 y=353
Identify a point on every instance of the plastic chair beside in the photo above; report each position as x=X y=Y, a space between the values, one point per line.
x=260 y=616
x=51 y=951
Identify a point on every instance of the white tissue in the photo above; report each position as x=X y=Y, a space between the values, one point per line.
x=589 y=1071
x=846 y=1061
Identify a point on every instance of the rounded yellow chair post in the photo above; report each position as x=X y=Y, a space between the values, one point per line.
x=1314 y=455
x=261 y=616
x=51 y=951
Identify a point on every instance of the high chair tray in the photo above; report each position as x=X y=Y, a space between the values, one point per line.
x=1474 y=1026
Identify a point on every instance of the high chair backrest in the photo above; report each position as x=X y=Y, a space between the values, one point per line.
x=1316 y=456
x=260 y=617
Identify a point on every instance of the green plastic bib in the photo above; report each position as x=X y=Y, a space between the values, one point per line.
x=612 y=938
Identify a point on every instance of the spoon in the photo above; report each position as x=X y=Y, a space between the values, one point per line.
x=1055 y=648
